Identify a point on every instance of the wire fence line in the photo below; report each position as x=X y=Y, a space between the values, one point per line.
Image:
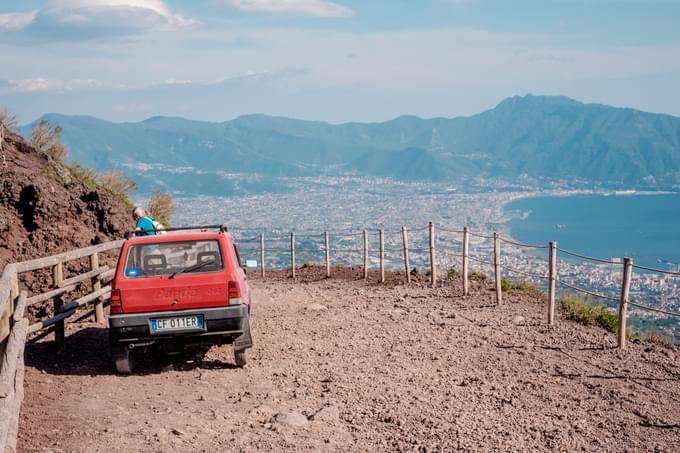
x=437 y=241
x=452 y=246
x=483 y=236
x=585 y=257
x=520 y=244
x=585 y=291
x=445 y=230
x=659 y=271
x=525 y=273
x=373 y=231
x=479 y=260
x=249 y=239
x=335 y=232
x=449 y=253
x=658 y=310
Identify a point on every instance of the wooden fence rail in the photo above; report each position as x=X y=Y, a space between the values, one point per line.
x=14 y=326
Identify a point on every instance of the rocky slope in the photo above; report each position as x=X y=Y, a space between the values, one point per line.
x=44 y=210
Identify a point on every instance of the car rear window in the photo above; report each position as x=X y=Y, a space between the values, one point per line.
x=165 y=258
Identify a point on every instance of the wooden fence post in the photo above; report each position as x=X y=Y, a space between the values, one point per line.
x=407 y=267
x=7 y=315
x=365 y=254
x=292 y=254
x=433 y=258
x=382 y=256
x=466 y=252
x=59 y=333
x=552 y=280
x=14 y=293
x=262 y=255
x=328 y=254
x=497 y=268
x=623 y=304
x=96 y=286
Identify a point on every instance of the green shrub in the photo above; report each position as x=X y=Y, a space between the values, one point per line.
x=530 y=290
x=658 y=338
x=589 y=313
x=83 y=174
x=161 y=207
x=479 y=276
x=453 y=273
x=506 y=284
x=118 y=184
x=522 y=285
x=9 y=120
x=51 y=174
x=46 y=139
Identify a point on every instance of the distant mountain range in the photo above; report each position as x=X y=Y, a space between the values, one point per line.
x=539 y=137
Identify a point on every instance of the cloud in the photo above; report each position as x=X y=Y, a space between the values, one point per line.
x=44 y=85
x=438 y=72
x=56 y=86
x=318 y=8
x=82 y=19
x=16 y=21
x=549 y=57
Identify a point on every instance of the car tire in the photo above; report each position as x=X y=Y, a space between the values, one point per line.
x=240 y=358
x=122 y=359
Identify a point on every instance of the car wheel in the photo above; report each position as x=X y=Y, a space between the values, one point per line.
x=240 y=358
x=123 y=360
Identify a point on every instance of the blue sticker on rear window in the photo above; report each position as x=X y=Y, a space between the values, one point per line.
x=134 y=272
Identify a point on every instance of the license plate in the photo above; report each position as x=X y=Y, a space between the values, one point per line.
x=177 y=323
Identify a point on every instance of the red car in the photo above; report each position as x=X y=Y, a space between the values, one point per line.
x=179 y=289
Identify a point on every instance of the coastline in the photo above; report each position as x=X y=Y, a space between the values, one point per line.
x=568 y=193
x=609 y=231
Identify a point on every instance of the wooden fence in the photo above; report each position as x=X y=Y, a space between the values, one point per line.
x=15 y=326
x=494 y=262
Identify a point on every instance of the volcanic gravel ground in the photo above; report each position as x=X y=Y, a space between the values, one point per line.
x=347 y=365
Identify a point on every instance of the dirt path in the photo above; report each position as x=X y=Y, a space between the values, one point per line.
x=374 y=368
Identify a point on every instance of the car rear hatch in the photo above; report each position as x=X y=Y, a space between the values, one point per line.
x=180 y=293
x=173 y=276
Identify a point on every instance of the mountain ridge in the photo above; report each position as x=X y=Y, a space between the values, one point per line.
x=343 y=123
x=543 y=137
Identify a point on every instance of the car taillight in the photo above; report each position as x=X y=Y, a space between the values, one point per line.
x=116 y=301
x=234 y=291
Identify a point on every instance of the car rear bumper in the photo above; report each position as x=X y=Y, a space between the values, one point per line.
x=218 y=322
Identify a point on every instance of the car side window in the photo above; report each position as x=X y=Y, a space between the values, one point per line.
x=238 y=256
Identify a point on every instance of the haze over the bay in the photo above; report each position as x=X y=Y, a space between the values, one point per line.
x=347 y=60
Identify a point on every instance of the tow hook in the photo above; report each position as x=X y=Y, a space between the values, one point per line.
x=132 y=346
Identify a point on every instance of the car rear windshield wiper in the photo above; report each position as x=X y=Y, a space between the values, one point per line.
x=193 y=267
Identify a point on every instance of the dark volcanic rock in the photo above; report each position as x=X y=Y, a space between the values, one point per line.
x=44 y=210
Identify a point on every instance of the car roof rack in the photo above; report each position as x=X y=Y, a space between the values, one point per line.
x=222 y=229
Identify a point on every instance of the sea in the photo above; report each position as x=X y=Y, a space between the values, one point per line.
x=644 y=227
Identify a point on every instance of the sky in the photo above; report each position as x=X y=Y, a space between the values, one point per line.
x=337 y=61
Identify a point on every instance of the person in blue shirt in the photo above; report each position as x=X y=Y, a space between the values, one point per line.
x=143 y=223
